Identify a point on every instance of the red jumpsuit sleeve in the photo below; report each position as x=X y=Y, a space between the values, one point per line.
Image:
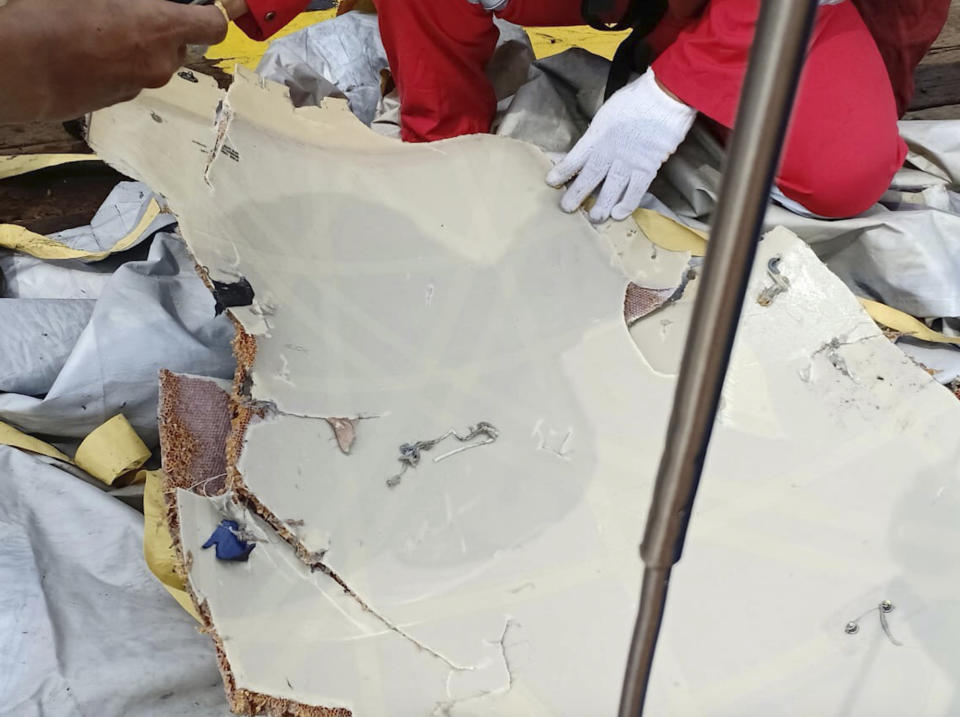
x=267 y=16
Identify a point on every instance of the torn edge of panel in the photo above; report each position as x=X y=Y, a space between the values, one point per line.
x=196 y=416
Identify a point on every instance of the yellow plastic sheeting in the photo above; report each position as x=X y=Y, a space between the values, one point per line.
x=17 y=238
x=548 y=41
x=904 y=323
x=669 y=234
x=140 y=477
x=237 y=48
x=11 y=166
x=10 y=436
x=107 y=453
x=112 y=450
x=158 y=550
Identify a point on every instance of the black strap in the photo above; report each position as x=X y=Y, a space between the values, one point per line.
x=626 y=60
x=594 y=10
x=633 y=55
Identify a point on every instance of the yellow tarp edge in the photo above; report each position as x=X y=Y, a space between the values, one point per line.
x=904 y=323
x=112 y=450
x=17 y=164
x=237 y=48
x=158 y=550
x=10 y=436
x=113 y=447
x=17 y=238
x=670 y=234
x=107 y=453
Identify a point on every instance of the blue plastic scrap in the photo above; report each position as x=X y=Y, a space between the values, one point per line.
x=230 y=546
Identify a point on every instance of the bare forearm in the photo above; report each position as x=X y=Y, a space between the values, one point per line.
x=63 y=58
x=25 y=78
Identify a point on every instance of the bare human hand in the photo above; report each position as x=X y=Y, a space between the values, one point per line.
x=60 y=59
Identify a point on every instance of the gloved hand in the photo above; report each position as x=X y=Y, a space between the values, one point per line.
x=630 y=137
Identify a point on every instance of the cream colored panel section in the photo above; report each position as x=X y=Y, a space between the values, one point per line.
x=423 y=289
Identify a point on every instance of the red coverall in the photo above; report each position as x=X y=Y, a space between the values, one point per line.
x=265 y=17
x=842 y=146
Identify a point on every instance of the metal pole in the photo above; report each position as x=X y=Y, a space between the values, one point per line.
x=779 y=47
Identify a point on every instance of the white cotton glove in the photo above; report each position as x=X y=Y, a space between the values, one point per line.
x=630 y=137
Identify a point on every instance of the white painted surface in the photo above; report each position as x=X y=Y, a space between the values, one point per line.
x=437 y=286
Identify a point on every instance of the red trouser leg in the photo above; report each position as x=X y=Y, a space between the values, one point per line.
x=842 y=146
x=438 y=51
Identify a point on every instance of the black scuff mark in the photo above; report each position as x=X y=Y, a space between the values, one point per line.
x=232 y=294
x=230 y=152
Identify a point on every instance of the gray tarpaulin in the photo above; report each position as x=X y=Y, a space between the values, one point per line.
x=85 y=629
x=30 y=278
x=344 y=53
x=76 y=362
x=37 y=338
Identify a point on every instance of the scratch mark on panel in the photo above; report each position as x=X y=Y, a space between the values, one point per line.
x=503 y=652
x=236 y=508
x=445 y=708
x=410 y=453
x=224 y=118
x=283 y=373
x=549 y=441
x=831 y=351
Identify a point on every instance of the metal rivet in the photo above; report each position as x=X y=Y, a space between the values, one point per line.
x=851 y=628
x=886 y=606
x=270 y=16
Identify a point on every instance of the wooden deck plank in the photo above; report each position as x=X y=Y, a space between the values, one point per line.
x=950 y=36
x=947 y=112
x=938 y=76
x=56 y=198
x=937 y=85
x=39 y=138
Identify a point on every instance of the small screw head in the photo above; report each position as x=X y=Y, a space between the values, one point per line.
x=851 y=628
x=886 y=606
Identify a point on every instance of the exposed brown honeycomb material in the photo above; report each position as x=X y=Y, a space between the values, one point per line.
x=180 y=448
